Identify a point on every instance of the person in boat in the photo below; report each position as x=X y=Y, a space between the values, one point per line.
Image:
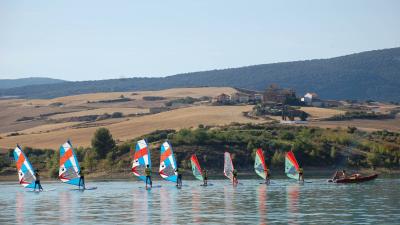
x=337 y=175
x=82 y=178
x=301 y=174
x=205 y=177
x=147 y=171
x=267 y=177
x=179 y=172
x=37 y=181
x=234 y=177
x=344 y=175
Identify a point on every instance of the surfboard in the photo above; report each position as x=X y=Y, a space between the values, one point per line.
x=206 y=185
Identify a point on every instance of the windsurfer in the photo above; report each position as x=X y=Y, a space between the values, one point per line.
x=301 y=175
x=267 y=177
x=234 y=177
x=179 y=180
x=82 y=178
x=37 y=181
x=147 y=171
x=205 y=177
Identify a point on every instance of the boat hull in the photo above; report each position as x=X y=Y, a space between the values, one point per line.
x=355 y=180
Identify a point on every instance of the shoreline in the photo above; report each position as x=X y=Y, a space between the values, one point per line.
x=315 y=172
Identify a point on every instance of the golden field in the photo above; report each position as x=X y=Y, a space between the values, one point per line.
x=47 y=123
x=51 y=130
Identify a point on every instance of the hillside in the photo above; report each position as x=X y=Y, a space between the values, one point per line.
x=12 y=83
x=367 y=75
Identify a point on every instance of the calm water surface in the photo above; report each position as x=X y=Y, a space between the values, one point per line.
x=283 y=202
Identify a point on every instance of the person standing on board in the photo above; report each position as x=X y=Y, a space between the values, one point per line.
x=301 y=175
x=267 y=177
x=234 y=177
x=147 y=171
x=37 y=181
x=179 y=180
x=82 y=178
x=205 y=177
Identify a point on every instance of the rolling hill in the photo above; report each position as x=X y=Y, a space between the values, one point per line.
x=12 y=83
x=367 y=75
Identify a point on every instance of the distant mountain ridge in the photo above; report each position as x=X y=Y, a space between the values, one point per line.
x=12 y=83
x=366 y=75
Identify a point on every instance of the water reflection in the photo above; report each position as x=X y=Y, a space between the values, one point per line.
x=292 y=192
x=65 y=203
x=196 y=203
x=20 y=209
x=141 y=206
x=167 y=205
x=262 y=204
x=282 y=203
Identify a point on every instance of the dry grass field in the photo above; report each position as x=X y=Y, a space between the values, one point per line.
x=46 y=123
x=100 y=111
x=78 y=100
x=14 y=113
x=320 y=113
x=175 y=119
x=366 y=125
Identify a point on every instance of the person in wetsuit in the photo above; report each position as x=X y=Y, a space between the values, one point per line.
x=234 y=177
x=301 y=175
x=147 y=171
x=82 y=178
x=37 y=181
x=205 y=177
x=179 y=180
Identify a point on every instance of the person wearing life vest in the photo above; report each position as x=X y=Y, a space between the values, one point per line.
x=301 y=176
x=82 y=178
x=147 y=172
x=205 y=177
x=37 y=181
x=234 y=177
x=179 y=180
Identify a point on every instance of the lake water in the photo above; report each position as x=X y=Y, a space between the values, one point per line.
x=127 y=202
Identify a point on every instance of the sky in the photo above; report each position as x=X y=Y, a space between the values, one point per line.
x=94 y=39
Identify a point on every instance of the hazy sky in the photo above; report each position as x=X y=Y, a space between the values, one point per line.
x=86 y=40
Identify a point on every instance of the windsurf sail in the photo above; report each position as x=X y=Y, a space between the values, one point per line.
x=141 y=159
x=228 y=166
x=26 y=173
x=197 y=172
x=259 y=164
x=291 y=166
x=69 y=167
x=168 y=163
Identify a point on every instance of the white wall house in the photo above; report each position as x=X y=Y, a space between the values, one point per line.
x=311 y=99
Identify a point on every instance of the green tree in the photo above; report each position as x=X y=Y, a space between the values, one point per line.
x=278 y=159
x=102 y=142
x=90 y=160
